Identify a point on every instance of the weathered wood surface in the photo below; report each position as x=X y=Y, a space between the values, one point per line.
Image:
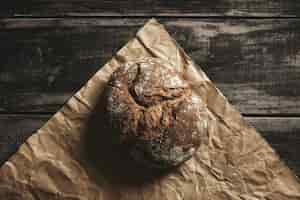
x=150 y=8
x=254 y=62
x=283 y=134
x=15 y=129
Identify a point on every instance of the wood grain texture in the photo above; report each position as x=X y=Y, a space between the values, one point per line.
x=283 y=134
x=255 y=63
x=15 y=129
x=150 y=8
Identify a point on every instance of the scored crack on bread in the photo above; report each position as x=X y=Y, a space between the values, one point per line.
x=155 y=113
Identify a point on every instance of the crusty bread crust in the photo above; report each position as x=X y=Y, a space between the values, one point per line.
x=155 y=111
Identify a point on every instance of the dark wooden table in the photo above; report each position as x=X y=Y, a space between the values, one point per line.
x=250 y=49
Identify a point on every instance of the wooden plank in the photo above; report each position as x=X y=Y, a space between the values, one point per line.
x=255 y=63
x=15 y=129
x=150 y=8
x=282 y=133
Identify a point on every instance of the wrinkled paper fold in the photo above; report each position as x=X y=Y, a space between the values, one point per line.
x=235 y=163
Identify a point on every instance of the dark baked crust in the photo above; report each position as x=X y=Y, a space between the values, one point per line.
x=155 y=113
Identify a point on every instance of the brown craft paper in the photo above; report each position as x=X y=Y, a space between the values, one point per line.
x=70 y=157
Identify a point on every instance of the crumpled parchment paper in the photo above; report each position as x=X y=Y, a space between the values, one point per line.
x=70 y=157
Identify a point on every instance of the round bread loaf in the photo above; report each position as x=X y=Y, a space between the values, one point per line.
x=155 y=113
